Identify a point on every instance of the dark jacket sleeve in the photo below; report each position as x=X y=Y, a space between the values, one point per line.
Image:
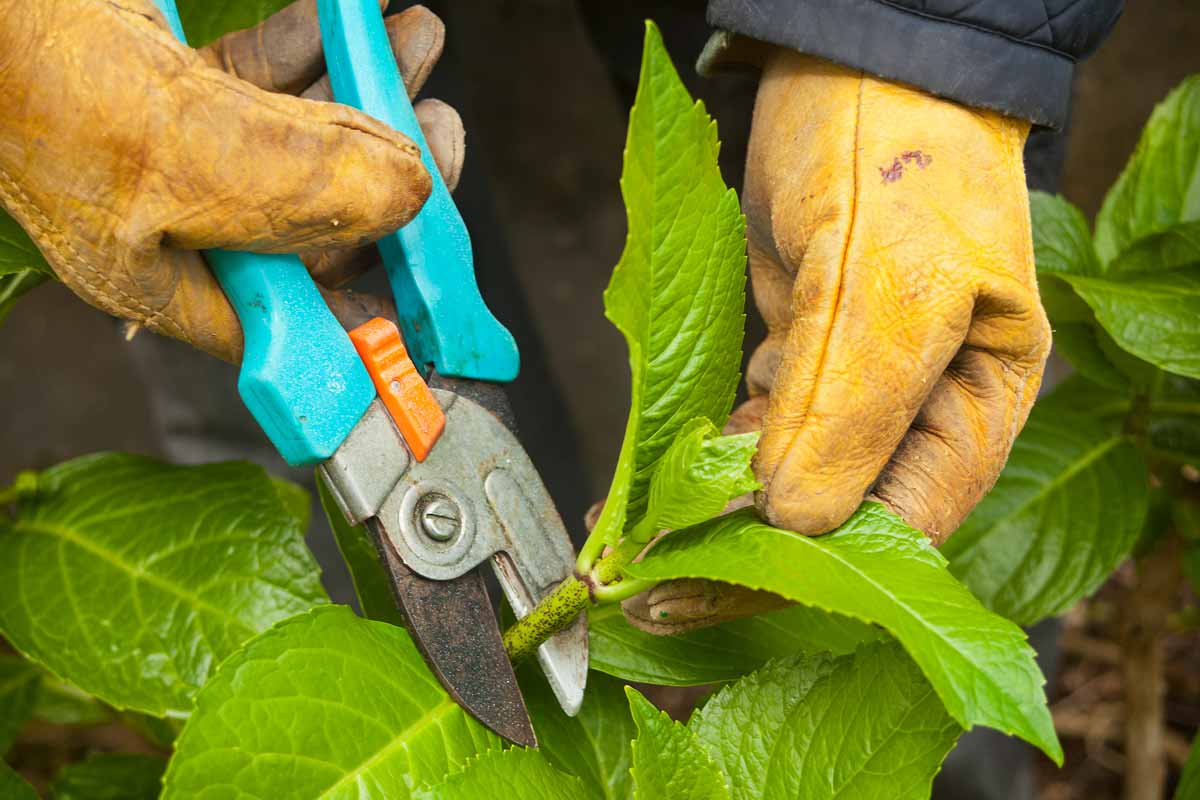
x=1015 y=56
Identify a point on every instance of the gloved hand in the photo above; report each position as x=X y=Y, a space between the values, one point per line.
x=123 y=152
x=892 y=260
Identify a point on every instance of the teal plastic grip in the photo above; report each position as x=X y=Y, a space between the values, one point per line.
x=301 y=377
x=429 y=261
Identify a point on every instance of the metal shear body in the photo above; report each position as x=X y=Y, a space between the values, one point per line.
x=436 y=474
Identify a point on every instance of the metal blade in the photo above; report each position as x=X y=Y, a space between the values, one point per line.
x=456 y=631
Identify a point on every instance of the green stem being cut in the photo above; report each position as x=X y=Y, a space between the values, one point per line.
x=603 y=583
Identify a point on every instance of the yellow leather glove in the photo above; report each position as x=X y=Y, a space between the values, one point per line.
x=892 y=260
x=123 y=152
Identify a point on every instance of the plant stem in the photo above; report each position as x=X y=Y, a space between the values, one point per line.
x=603 y=584
x=1144 y=628
x=554 y=613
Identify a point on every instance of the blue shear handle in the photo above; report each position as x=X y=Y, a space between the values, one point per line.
x=429 y=261
x=301 y=377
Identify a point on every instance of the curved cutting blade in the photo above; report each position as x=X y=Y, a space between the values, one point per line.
x=454 y=626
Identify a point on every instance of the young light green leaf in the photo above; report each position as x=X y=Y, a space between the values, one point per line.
x=877 y=569
x=1067 y=509
x=866 y=725
x=1189 y=781
x=19 y=683
x=594 y=744
x=1150 y=220
x=668 y=759
x=678 y=293
x=514 y=774
x=13 y=786
x=325 y=704
x=371 y=586
x=720 y=653
x=110 y=776
x=132 y=579
x=206 y=20
x=696 y=478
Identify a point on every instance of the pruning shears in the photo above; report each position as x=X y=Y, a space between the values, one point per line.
x=411 y=428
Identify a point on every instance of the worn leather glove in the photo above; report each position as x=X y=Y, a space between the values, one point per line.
x=123 y=152
x=892 y=260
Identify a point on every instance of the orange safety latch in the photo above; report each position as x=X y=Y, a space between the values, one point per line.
x=408 y=399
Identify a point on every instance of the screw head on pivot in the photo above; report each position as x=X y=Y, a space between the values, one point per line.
x=440 y=517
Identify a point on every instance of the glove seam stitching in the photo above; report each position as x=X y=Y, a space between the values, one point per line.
x=71 y=261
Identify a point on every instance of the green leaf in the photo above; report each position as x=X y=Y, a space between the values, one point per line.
x=696 y=478
x=22 y=266
x=110 y=776
x=371 y=585
x=60 y=703
x=866 y=725
x=1067 y=509
x=1149 y=218
x=678 y=293
x=594 y=744
x=668 y=759
x=514 y=774
x=19 y=681
x=324 y=704
x=13 y=786
x=132 y=579
x=1155 y=316
x=877 y=569
x=1173 y=423
x=18 y=253
x=206 y=20
x=719 y=653
x=1189 y=781
x=1062 y=242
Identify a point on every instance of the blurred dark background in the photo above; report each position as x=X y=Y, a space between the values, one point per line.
x=543 y=87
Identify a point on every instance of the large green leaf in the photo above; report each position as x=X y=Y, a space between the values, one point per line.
x=110 y=776
x=1067 y=509
x=866 y=726
x=132 y=579
x=325 y=704
x=594 y=744
x=1149 y=218
x=13 y=786
x=371 y=586
x=19 y=683
x=719 y=653
x=516 y=774
x=877 y=569
x=696 y=478
x=668 y=759
x=678 y=293
x=205 y=20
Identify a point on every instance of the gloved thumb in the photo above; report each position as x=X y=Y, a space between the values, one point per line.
x=247 y=169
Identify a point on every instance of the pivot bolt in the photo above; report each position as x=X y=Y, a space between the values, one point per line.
x=440 y=516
